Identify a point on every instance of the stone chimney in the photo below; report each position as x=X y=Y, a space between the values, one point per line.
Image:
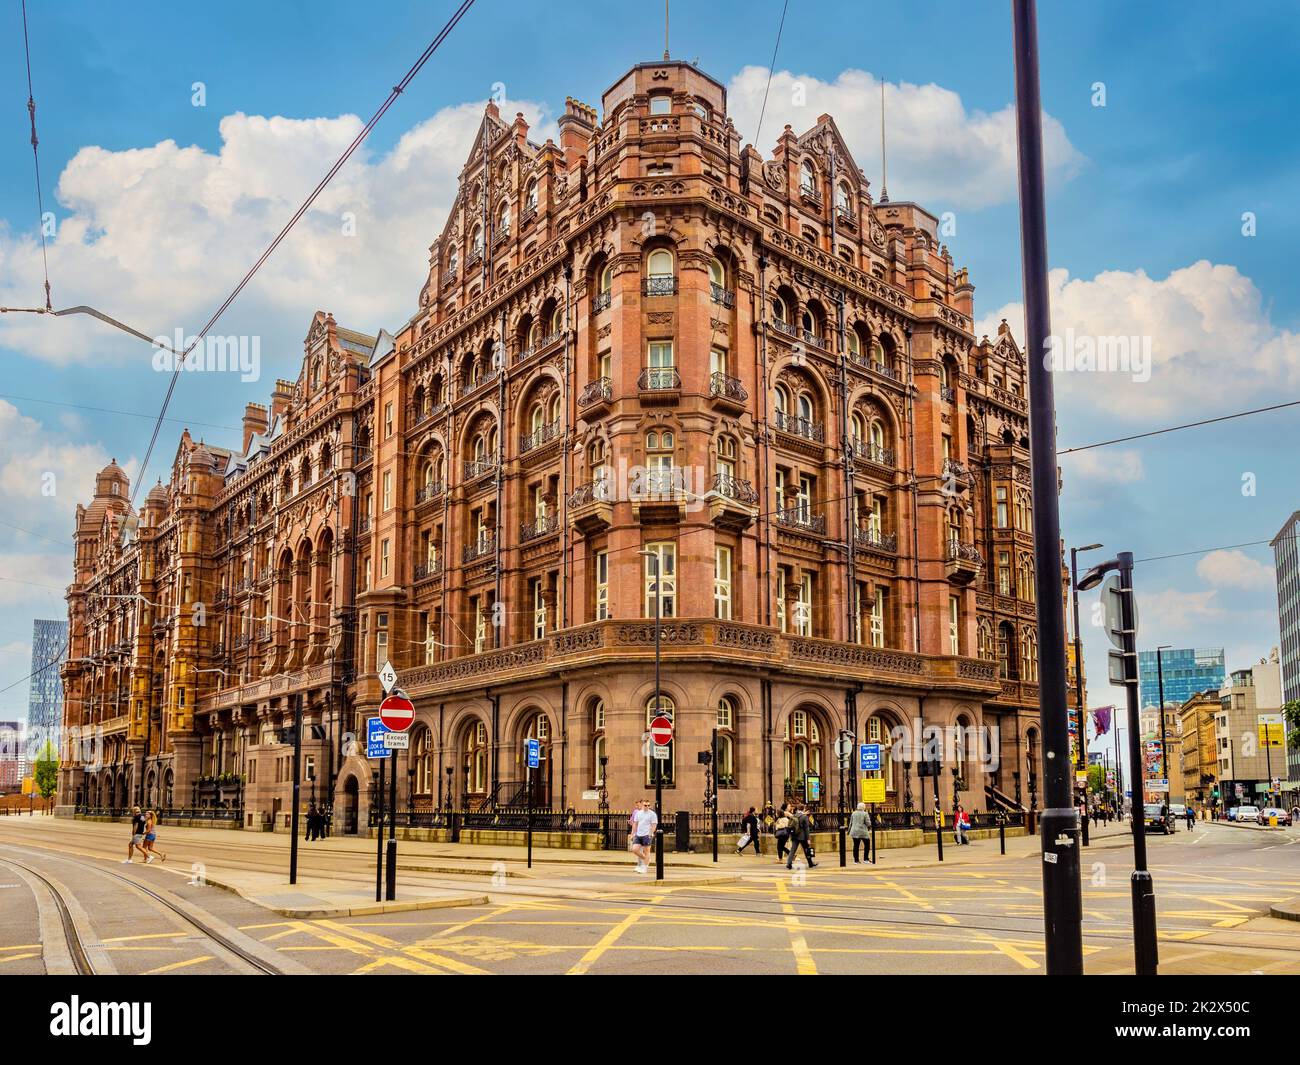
x=281 y=398
x=577 y=125
x=964 y=293
x=520 y=129
x=255 y=421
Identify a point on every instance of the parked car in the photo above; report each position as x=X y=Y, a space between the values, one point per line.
x=1246 y=813
x=1155 y=818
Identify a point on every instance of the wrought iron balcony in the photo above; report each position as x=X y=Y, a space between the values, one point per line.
x=600 y=302
x=787 y=328
x=884 y=370
x=449 y=279
x=485 y=545
x=958 y=549
x=870 y=539
x=659 y=379
x=478 y=467
x=874 y=453
x=947 y=393
x=598 y=391
x=428 y=490
x=963 y=564
x=527 y=215
x=721 y=295
x=542 y=435
x=802 y=519
x=363 y=523
x=473 y=258
x=597 y=491
x=796 y=426
x=723 y=387
x=845 y=214
x=734 y=488
x=953 y=468
x=660 y=286
x=425 y=570
x=541 y=526
x=815 y=339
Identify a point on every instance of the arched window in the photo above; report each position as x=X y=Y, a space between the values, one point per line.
x=986 y=649
x=726 y=768
x=780 y=310
x=530 y=199
x=1029 y=656
x=854 y=340
x=659 y=273
x=476 y=241
x=557 y=320
x=1025 y=579
x=807 y=178
x=857 y=427
x=422 y=762
x=1024 y=514
x=606 y=285
x=879 y=730
x=1008 y=667
x=474 y=766
x=668 y=709
x=781 y=401
x=503 y=220
x=727 y=457
x=844 y=199
x=803 y=753
x=598 y=748
x=805 y=406
x=539 y=729
x=451 y=261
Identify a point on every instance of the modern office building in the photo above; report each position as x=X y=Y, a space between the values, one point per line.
x=1244 y=763
x=45 y=697
x=1186 y=671
x=1286 y=563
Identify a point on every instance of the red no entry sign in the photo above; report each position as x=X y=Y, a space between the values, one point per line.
x=661 y=731
x=397 y=712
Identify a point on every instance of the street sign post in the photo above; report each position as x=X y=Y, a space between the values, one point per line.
x=388 y=677
x=869 y=759
x=533 y=759
x=397 y=712
x=661 y=731
x=397 y=741
x=375 y=733
x=873 y=789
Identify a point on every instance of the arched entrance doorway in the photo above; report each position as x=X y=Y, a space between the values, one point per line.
x=351 y=805
x=539 y=728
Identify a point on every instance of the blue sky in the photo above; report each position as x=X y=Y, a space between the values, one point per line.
x=161 y=205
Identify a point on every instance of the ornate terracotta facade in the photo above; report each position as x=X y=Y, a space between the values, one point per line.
x=646 y=365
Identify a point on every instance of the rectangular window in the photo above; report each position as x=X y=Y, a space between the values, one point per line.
x=804 y=607
x=661 y=354
x=780 y=599
x=383 y=559
x=722 y=583
x=1001 y=495
x=602 y=585
x=661 y=567
x=480 y=626
x=539 y=608
x=430 y=640
x=388 y=420
x=717 y=361
x=805 y=497
x=878 y=618
x=381 y=640
x=947 y=447
x=1004 y=573
x=954 y=625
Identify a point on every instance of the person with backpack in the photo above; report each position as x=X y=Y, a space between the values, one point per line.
x=749 y=833
x=800 y=836
x=860 y=832
x=781 y=830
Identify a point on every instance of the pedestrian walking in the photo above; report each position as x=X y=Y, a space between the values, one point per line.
x=645 y=822
x=800 y=833
x=311 y=822
x=860 y=832
x=749 y=833
x=137 y=837
x=781 y=830
x=961 y=825
x=151 y=840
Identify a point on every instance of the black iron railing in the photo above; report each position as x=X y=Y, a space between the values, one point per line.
x=727 y=387
x=659 y=379
x=796 y=426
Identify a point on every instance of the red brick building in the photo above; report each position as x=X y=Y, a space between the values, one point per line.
x=647 y=364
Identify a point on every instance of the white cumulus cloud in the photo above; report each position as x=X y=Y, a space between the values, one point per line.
x=1104 y=465
x=940 y=153
x=1234 y=569
x=1213 y=346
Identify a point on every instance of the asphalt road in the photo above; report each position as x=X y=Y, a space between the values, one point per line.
x=1213 y=888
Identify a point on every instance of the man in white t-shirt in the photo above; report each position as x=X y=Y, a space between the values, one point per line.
x=644 y=823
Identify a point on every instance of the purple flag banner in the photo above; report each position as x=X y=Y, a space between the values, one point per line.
x=1101 y=716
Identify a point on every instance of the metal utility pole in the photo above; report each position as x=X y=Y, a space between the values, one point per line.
x=1082 y=763
x=297 y=788
x=1164 y=751
x=1062 y=891
x=659 y=762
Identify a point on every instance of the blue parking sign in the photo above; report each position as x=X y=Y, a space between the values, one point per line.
x=868 y=757
x=534 y=749
x=375 y=731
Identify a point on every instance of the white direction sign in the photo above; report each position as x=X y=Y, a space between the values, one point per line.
x=661 y=751
x=397 y=741
x=388 y=677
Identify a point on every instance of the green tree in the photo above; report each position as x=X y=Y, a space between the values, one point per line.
x=1096 y=779
x=1291 y=712
x=45 y=770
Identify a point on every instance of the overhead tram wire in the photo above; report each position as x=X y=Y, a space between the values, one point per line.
x=770 y=71
x=36 y=159
x=397 y=90
x=1177 y=428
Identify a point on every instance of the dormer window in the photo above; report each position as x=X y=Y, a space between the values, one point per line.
x=531 y=198
x=503 y=222
x=807 y=179
x=661 y=104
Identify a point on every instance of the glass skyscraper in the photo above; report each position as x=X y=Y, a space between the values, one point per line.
x=45 y=698
x=1286 y=563
x=1186 y=670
